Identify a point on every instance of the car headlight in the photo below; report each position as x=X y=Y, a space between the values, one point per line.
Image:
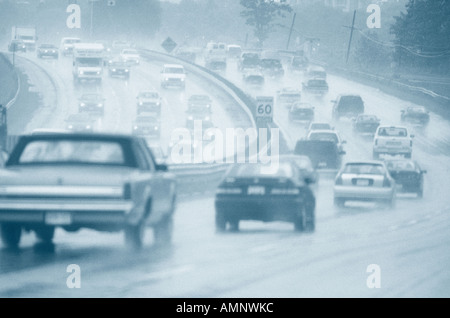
x=166 y=79
x=82 y=104
x=98 y=73
x=135 y=127
x=207 y=118
x=100 y=105
x=127 y=70
x=70 y=126
x=88 y=127
x=156 y=128
x=158 y=103
x=114 y=70
x=81 y=72
x=182 y=79
x=190 y=117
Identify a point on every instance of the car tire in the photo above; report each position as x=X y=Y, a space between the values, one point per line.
x=134 y=235
x=420 y=193
x=234 y=225
x=408 y=156
x=221 y=222
x=45 y=233
x=163 y=231
x=11 y=234
x=339 y=202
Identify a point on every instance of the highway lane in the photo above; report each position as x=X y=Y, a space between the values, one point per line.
x=409 y=243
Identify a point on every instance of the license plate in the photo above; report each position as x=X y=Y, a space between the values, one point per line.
x=256 y=190
x=362 y=182
x=58 y=218
x=322 y=164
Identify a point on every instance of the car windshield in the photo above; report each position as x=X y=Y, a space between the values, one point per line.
x=89 y=61
x=72 y=152
x=199 y=98
x=301 y=106
x=150 y=120
x=401 y=165
x=317 y=83
x=307 y=147
x=364 y=168
x=71 y=41
x=149 y=95
x=417 y=110
x=130 y=52
x=392 y=132
x=270 y=63
x=47 y=46
x=324 y=136
x=91 y=97
x=366 y=118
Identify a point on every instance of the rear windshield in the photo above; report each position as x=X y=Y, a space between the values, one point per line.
x=401 y=165
x=362 y=168
x=318 y=147
x=72 y=152
x=324 y=136
x=174 y=70
x=283 y=170
x=392 y=132
x=318 y=126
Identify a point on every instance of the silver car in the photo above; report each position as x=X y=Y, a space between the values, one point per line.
x=364 y=181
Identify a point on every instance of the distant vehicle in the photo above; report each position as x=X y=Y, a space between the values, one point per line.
x=301 y=112
x=324 y=154
x=66 y=46
x=271 y=68
x=364 y=181
x=392 y=140
x=149 y=101
x=264 y=193
x=216 y=56
x=418 y=115
x=315 y=87
x=234 y=51
x=348 y=106
x=119 y=68
x=47 y=50
x=407 y=175
x=88 y=62
x=366 y=124
x=98 y=181
x=173 y=75
x=92 y=103
x=319 y=126
x=288 y=96
x=305 y=166
x=253 y=79
x=17 y=46
x=201 y=102
x=131 y=56
x=199 y=108
x=316 y=72
x=248 y=61
x=80 y=122
x=26 y=34
x=330 y=134
x=147 y=124
x=298 y=64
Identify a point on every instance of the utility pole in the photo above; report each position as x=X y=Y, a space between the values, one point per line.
x=290 y=31
x=351 y=36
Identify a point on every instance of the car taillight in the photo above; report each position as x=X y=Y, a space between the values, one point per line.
x=127 y=191
x=386 y=182
x=410 y=143
x=376 y=142
x=226 y=190
x=338 y=180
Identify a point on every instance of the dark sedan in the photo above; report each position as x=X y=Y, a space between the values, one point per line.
x=277 y=192
x=92 y=103
x=119 y=68
x=47 y=50
x=301 y=112
x=415 y=115
x=366 y=124
x=324 y=154
x=271 y=67
x=407 y=175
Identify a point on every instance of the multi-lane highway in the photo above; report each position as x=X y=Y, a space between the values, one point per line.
x=409 y=242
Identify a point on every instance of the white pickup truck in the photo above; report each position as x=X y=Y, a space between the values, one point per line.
x=392 y=140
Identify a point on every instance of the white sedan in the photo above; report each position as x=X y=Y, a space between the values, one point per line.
x=364 y=181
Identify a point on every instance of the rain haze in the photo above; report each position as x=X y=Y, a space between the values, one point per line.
x=224 y=148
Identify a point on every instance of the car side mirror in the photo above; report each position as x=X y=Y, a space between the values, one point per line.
x=423 y=171
x=412 y=136
x=342 y=152
x=309 y=180
x=162 y=167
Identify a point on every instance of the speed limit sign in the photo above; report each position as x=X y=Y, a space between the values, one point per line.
x=264 y=107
